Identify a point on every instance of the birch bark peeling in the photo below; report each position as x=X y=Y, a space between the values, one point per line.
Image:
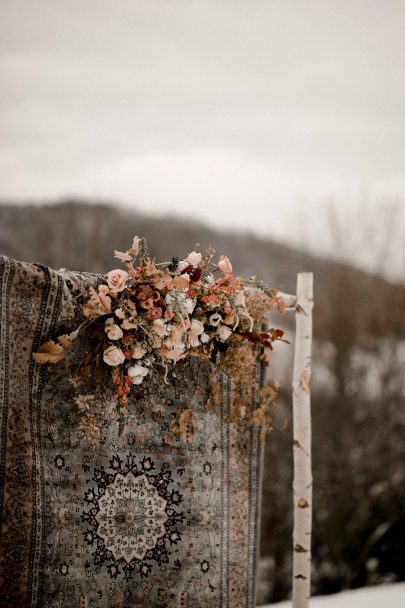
x=302 y=485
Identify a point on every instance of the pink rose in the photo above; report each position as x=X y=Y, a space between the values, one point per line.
x=117 y=279
x=113 y=356
x=224 y=265
x=113 y=331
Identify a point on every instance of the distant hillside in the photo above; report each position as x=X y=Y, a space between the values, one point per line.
x=82 y=237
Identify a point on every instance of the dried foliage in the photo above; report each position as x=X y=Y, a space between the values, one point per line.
x=144 y=319
x=50 y=352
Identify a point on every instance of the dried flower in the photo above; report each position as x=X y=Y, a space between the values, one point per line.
x=137 y=373
x=138 y=352
x=117 y=280
x=224 y=265
x=113 y=331
x=156 y=315
x=136 y=246
x=224 y=332
x=159 y=327
x=182 y=265
x=196 y=329
x=194 y=258
x=175 y=353
x=124 y=257
x=146 y=296
x=113 y=356
x=120 y=314
x=215 y=319
x=182 y=282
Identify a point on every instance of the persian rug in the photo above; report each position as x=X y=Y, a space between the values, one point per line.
x=145 y=519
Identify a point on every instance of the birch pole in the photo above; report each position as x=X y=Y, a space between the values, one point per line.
x=302 y=485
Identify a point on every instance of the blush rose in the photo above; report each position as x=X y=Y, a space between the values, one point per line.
x=224 y=265
x=117 y=280
x=113 y=356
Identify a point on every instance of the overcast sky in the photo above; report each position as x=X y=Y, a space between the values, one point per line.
x=242 y=113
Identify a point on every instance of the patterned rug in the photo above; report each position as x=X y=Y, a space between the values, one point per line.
x=146 y=519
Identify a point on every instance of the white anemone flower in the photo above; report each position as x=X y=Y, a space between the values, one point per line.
x=215 y=319
x=224 y=332
x=187 y=306
x=194 y=258
x=182 y=265
x=137 y=373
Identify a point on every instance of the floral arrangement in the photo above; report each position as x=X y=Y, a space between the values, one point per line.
x=151 y=315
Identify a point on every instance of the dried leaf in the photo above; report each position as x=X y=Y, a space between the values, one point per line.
x=233 y=414
x=131 y=306
x=65 y=341
x=264 y=433
x=135 y=245
x=75 y=381
x=124 y=257
x=83 y=402
x=128 y=325
x=269 y=393
x=280 y=305
x=96 y=305
x=186 y=424
x=181 y=282
x=258 y=416
x=50 y=352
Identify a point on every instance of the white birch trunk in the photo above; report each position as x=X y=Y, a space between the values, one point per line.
x=302 y=485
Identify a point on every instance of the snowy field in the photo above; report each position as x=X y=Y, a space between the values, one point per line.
x=384 y=596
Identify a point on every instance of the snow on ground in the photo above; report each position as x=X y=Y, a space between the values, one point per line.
x=383 y=596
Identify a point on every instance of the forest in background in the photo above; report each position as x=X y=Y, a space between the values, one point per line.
x=358 y=393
